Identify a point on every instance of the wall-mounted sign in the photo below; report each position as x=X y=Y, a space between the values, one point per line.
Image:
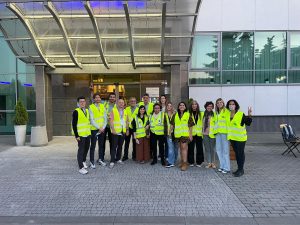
x=152 y=91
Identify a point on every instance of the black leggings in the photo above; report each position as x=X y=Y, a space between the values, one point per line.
x=239 y=149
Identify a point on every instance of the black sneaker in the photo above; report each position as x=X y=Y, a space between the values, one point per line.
x=235 y=172
x=153 y=163
x=124 y=158
x=239 y=173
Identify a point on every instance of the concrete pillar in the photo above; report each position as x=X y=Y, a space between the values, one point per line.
x=179 y=84
x=43 y=93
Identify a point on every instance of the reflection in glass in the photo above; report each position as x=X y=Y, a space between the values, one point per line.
x=270 y=50
x=295 y=49
x=237 y=77
x=270 y=76
x=203 y=77
x=294 y=76
x=205 y=52
x=237 y=51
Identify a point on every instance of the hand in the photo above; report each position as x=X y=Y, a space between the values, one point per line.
x=127 y=132
x=114 y=132
x=101 y=130
x=148 y=136
x=147 y=127
x=78 y=138
x=137 y=141
x=249 y=111
x=191 y=137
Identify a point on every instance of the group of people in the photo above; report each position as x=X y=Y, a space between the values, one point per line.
x=160 y=126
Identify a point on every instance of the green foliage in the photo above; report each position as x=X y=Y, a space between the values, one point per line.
x=21 y=117
x=190 y=101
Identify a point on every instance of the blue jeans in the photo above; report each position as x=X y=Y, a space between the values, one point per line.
x=222 y=147
x=172 y=151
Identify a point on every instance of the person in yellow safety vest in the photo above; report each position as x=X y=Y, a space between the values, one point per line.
x=197 y=116
x=157 y=121
x=108 y=107
x=98 y=118
x=222 y=118
x=132 y=111
x=182 y=124
x=237 y=133
x=148 y=105
x=118 y=124
x=208 y=136
x=81 y=129
x=140 y=127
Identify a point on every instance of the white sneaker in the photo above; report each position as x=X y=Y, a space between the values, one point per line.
x=83 y=171
x=102 y=163
x=198 y=165
x=84 y=165
x=121 y=162
x=220 y=170
x=111 y=165
x=191 y=165
x=225 y=171
x=92 y=166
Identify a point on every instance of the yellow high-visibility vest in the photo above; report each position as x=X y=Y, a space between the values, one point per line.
x=141 y=127
x=131 y=115
x=236 y=132
x=182 y=125
x=98 y=114
x=197 y=128
x=222 y=120
x=119 y=128
x=83 y=123
x=157 y=124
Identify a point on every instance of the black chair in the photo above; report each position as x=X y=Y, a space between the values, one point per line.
x=290 y=139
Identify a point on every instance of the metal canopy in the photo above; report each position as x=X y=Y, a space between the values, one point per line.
x=74 y=33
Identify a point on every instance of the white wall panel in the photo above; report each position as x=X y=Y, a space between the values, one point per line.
x=238 y=15
x=204 y=94
x=293 y=100
x=294 y=15
x=210 y=16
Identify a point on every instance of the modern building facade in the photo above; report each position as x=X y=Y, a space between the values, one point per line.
x=53 y=51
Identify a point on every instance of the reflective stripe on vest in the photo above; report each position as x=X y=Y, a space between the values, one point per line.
x=98 y=114
x=221 y=122
x=197 y=128
x=157 y=124
x=140 y=127
x=182 y=125
x=236 y=132
x=83 y=123
x=119 y=128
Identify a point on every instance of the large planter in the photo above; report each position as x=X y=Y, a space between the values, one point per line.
x=20 y=134
x=38 y=136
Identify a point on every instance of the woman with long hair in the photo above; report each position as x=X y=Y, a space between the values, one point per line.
x=237 y=133
x=163 y=102
x=222 y=118
x=140 y=127
x=182 y=124
x=197 y=136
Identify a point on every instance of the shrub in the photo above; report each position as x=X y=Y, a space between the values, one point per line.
x=21 y=117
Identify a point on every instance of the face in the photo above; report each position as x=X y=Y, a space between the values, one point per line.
x=169 y=107
x=132 y=102
x=97 y=99
x=182 y=107
x=121 y=103
x=232 y=106
x=194 y=106
x=220 y=104
x=163 y=99
x=112 y=99
x=82 y=103
x=142 y=111
x=209 y=108
x=146 y=99
x=156 y=109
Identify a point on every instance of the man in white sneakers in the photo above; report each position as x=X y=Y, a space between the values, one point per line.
x=81 y=129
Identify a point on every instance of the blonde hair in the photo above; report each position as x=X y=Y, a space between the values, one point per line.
x=217 y=108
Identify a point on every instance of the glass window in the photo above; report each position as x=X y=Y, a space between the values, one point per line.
x=7 y=58
x=268 y=76
x=203 y=77
x=270 y=50
x=294 y=76
x=237 y=51
x=295 y=49
x=237 y=77
x=26 y=90
x=205 y=52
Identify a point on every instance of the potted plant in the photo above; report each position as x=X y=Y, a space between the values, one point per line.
x=20 y=122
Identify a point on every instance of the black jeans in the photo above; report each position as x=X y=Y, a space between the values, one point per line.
x=108 y=133
x=127 y=141
x=94 y=138
x=199 y=151
x=116 y=148
x=153 y=146
x=239 y=149
x=83 y=149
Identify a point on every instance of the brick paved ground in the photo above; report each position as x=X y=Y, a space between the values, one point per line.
x=45 y=182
